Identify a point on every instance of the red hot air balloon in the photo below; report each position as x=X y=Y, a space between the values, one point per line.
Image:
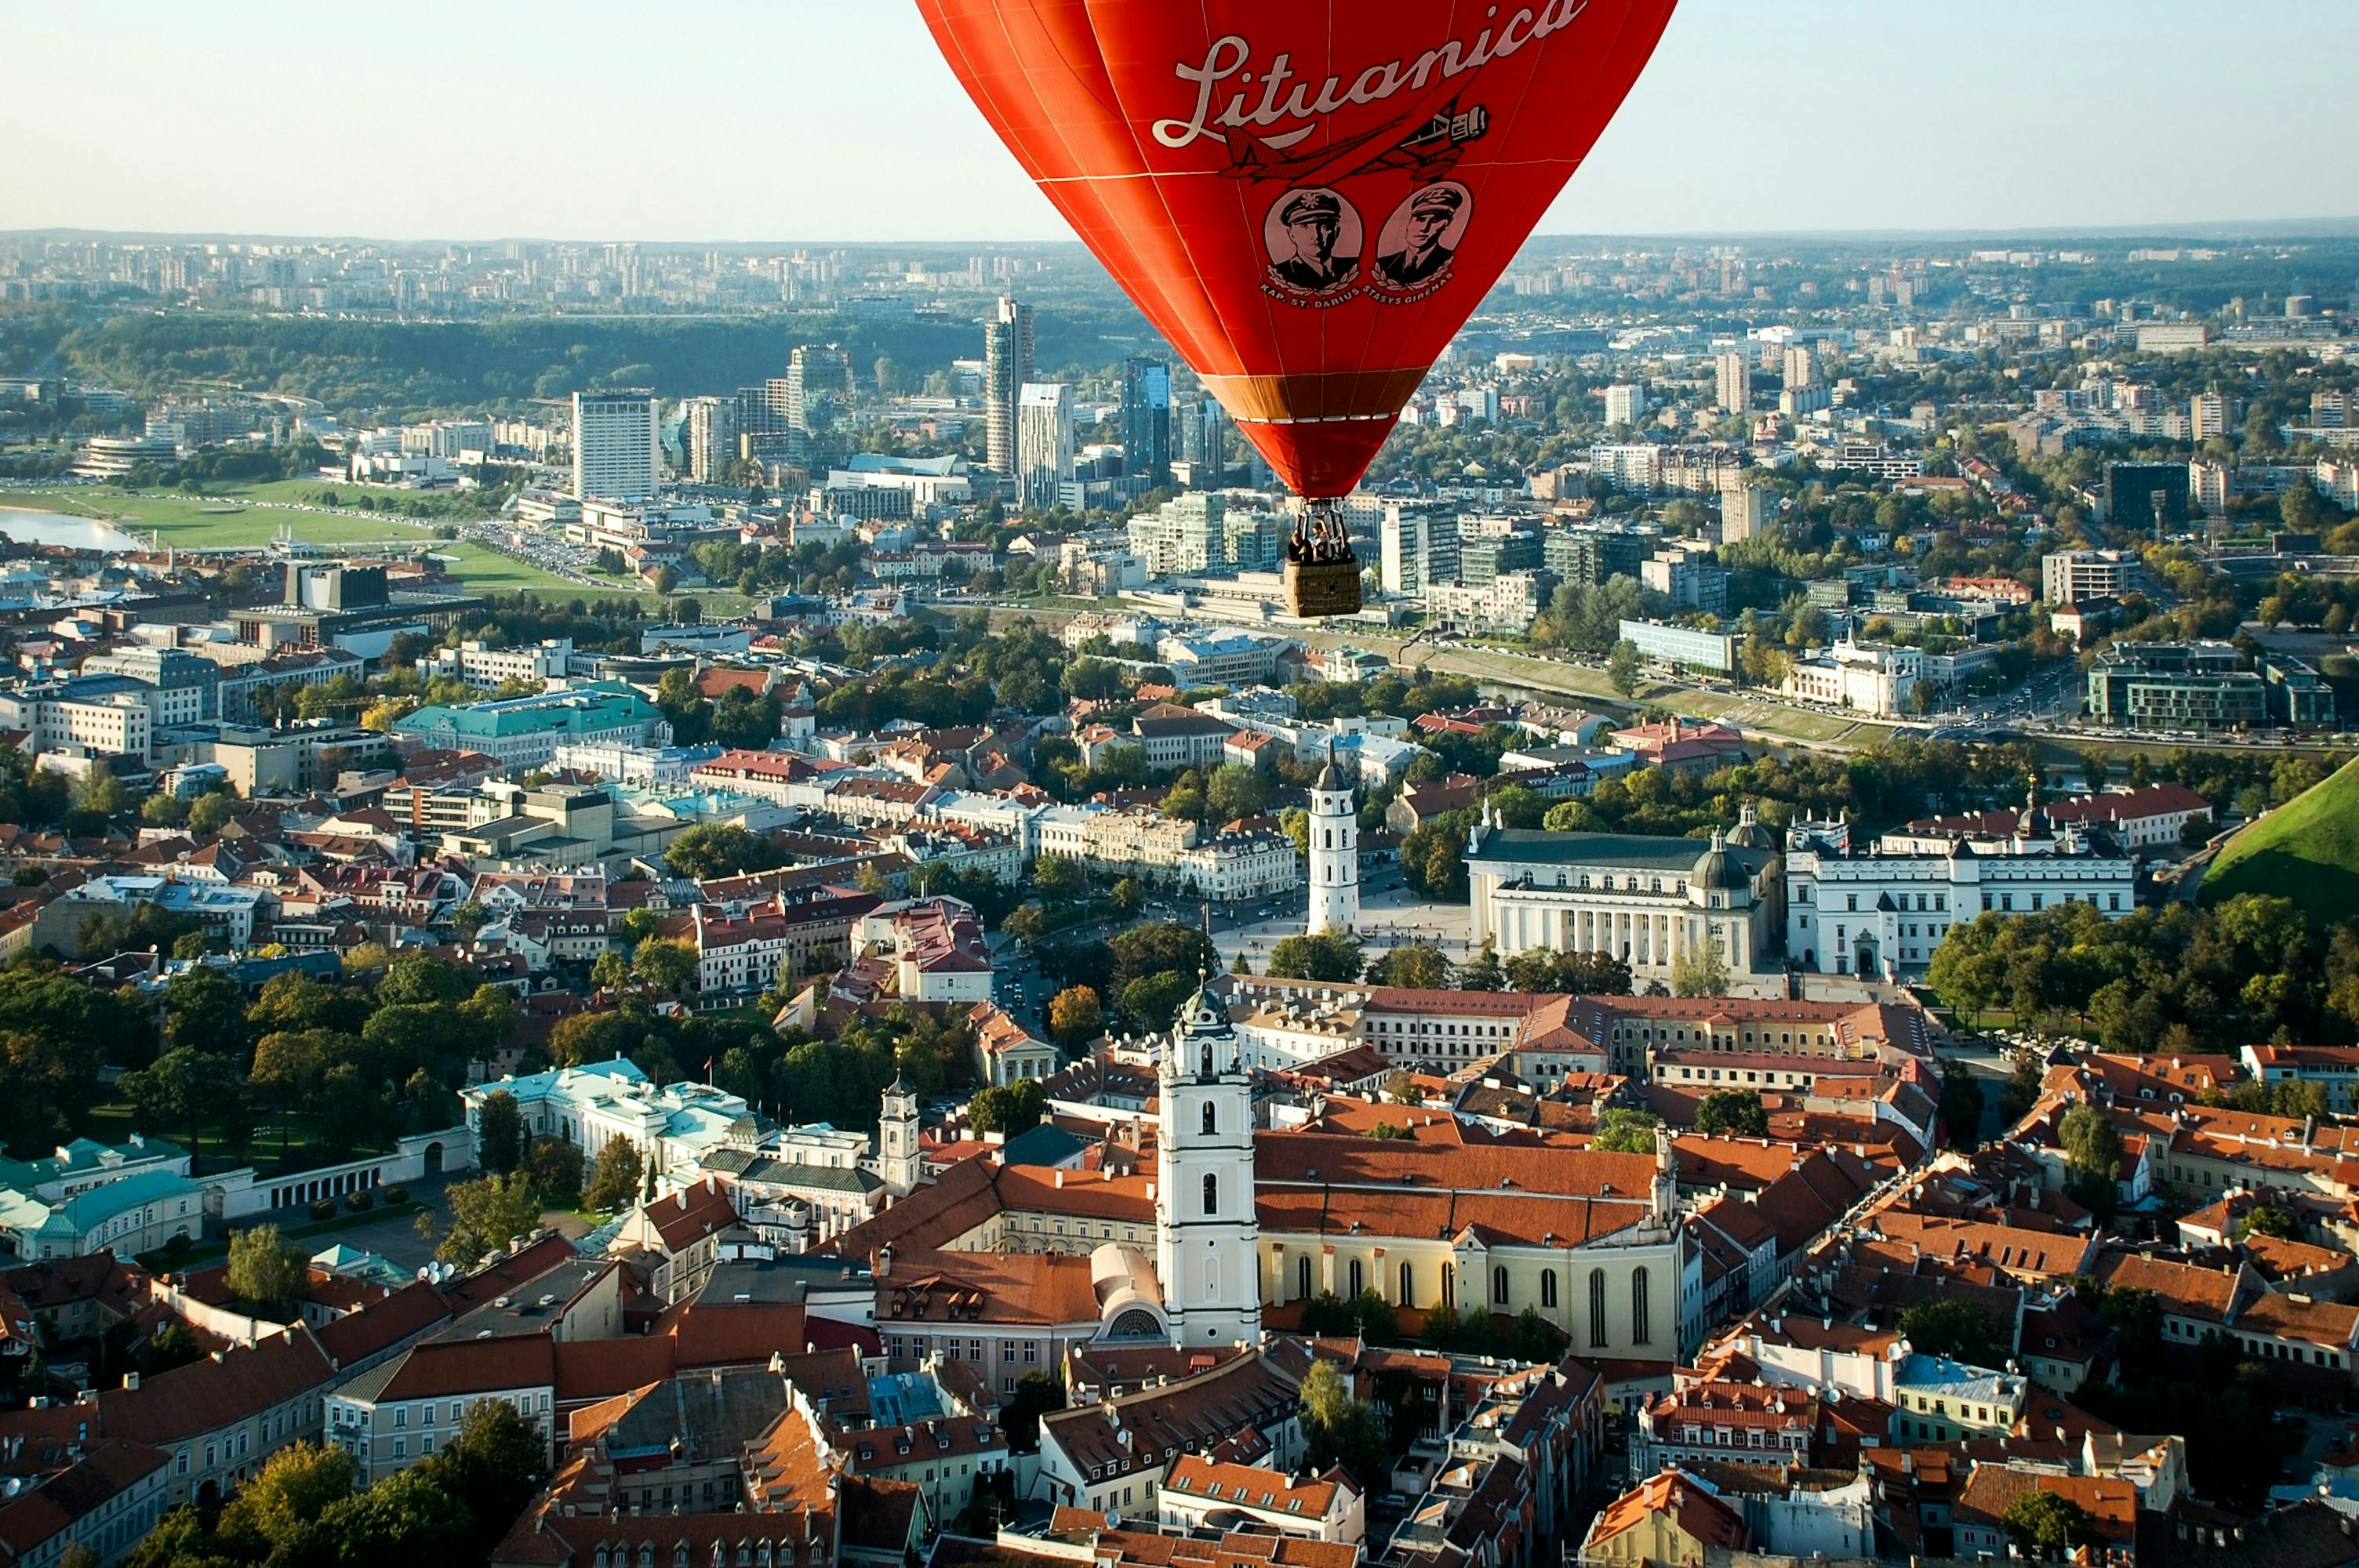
x=1308 y=198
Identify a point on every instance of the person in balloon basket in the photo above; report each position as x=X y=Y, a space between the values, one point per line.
x=1422 y=255
x=1314 y=220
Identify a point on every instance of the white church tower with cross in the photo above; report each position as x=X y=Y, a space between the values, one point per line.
x=1334 y=852
x=1206 y=1232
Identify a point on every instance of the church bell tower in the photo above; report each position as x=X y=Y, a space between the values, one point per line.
x=1334 y=852
x=1206 y=1233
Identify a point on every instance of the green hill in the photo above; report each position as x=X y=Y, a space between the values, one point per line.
x=2306 y=851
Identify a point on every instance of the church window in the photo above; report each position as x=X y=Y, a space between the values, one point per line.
x=1207 y=1060
x=1211 y=1121
x=1302 y=1277
x=1211 y=1194
x=1359 y=1281
x=1450 y=1284
x=1596 y=1307
x=1548 y=1287
x=1499 y=1285
x=1638 y=1328
x=1408 y=1287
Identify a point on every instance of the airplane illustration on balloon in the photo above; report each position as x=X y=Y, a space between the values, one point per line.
x=1431 y=151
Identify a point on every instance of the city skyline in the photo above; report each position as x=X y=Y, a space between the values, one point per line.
x=580 y=133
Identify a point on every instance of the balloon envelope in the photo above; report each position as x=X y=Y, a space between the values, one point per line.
x=1306 y=196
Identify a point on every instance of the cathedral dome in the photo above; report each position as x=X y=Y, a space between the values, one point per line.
x=1716 y=868
x=1749 y=832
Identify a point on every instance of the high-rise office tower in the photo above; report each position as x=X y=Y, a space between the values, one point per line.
x=1735 y=383
x=1147 y=420
x=1007 y=366
x=708 y=438
x=1044 y=442
x=819 y=387
x=615 y=453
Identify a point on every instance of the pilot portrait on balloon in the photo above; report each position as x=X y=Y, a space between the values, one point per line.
x=1413 y=248
x=1313 y=237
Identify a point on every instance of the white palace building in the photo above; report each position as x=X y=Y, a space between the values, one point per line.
x=1882 y=910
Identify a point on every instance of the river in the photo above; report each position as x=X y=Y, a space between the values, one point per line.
x=59 y=528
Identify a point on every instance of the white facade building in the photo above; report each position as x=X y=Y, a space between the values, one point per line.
x=1884 y=910
x=1864 y=679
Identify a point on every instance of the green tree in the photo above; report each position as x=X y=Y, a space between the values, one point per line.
x=1624 y=1132
x=1414 y=968
x=1036 y=1394
x=276 y=1516
x=1961 y=1330
x=1057 y=878
x=1737 y=1113
x=719 y=850
x=664 y=965
x=2048 y=1527
x=185 y=1088
x=499 y=1132
x=486 y=1215
x=212 y=813
x=1481 y=972
x=492 y=1467
x=204 y=1011
x=1622 y=667
x=1326 y=956
x=1338 y=1429
x=262 y=1269
x=417 y=979
x=1237 y=791
x=1127 y=898
x=2270 y=1220
x=1962 y=1106
x=1699 y=971
x=1152 y=1001
x=553 y=1166
x=1009 y=1110
x=614 y=1180
x=2093 y=1158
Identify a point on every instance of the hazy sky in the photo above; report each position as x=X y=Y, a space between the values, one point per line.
x=810 y=120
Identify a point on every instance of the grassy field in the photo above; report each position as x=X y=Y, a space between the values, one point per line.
x=197 y=522
x=2306 y=851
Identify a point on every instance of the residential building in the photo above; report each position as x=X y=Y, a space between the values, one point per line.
x=708 y=438
x=395 y=1413
x=616 y=454
x=1732 y=382
x=1625 y=404
x=1006 y=367
x=2176 y=686
x=1186 y=535
x=2069 y=577
x=1507 y=605
x=1417 y=548
x=1044 y=444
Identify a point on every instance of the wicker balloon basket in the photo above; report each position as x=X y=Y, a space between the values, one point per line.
x=1318 y=589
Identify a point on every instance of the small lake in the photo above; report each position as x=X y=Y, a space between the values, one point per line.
x=59 y=528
